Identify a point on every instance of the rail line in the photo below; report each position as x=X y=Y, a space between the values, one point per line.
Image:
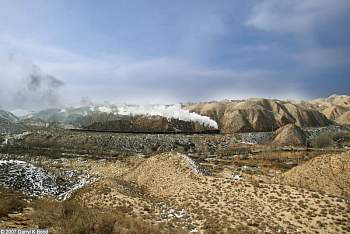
x=209 y=132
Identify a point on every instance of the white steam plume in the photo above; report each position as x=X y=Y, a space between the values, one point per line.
x=167 y=111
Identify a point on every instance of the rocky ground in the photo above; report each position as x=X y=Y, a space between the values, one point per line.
x=110 y=144
x=198 y=183
x=38 y=181
x=171 y=190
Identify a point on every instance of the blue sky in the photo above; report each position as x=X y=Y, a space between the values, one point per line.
x=138 y=51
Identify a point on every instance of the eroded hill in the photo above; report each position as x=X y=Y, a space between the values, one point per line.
x=259 y=115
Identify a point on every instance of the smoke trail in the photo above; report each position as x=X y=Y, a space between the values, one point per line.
x=25 y=86
x=38 y=89
x=168 y=111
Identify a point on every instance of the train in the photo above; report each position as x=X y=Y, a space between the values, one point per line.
x=208 y=132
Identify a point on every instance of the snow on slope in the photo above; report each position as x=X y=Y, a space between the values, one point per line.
x=37 y=181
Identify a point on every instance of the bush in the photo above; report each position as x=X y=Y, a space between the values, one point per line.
x=10 y=205
x=341 y=136
x=70 y=217
x=323 y=140
x=10 y=202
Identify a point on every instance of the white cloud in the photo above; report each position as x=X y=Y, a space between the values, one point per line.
x=294 y=16
x=29 y=48
x=122 y=79
x=25 y=85
x=310 y=22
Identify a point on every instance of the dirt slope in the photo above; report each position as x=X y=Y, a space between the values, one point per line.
x=344 y=118
x=213 y=109
x=333 y=112
x=328 y=173
x=166 y=174
x=335 y=107
x=333 y=100
x=289 y=135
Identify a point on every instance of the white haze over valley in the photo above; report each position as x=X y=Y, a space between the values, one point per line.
x=167 y=111
x=26 y=89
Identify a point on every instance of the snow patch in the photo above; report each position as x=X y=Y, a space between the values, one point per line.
x=237 y=177
x=37 y=181
x=194 y=166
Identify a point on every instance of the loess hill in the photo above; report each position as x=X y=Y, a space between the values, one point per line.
x=251 y=115
x=259 y=115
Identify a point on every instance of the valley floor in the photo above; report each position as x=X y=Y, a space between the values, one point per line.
x=238 y=190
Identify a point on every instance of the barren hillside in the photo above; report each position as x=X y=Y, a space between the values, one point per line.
x=343 y=118
x=334 y=107
x=259 y=115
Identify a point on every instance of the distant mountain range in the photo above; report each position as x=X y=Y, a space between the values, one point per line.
x=251 y=115
x=267 y=114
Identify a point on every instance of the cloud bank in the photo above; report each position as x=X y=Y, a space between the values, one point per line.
x=25 y=86
x=121 y=79
x=174 y=52
x=296 y=17
x=315 y=26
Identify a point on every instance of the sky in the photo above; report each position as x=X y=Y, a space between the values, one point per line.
x=63 y=52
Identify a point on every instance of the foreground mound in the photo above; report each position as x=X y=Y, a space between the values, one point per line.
x=290 y=135
x=328 y=173
x=166 y=174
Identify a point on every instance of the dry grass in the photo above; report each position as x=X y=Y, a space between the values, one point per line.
x=10 y=202
x=328 y=173
x=324 y=140
x=71 y=218
x=342 y=138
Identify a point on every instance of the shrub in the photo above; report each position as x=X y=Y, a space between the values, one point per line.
x=10 y=205
x=71 y=218
x=323 y=140
x=10 y=202
x=342 y=136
